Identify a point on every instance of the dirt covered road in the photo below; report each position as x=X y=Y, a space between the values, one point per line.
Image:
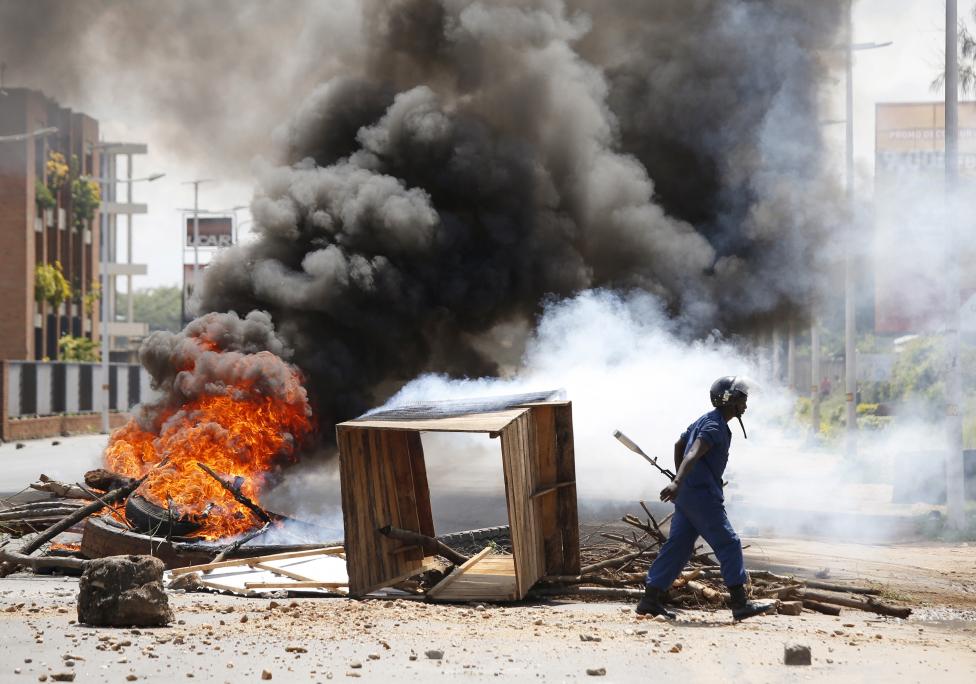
x=232 y=639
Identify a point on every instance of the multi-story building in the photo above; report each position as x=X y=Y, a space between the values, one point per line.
x=43 y=222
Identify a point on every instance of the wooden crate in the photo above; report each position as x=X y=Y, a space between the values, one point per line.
x=384 y=482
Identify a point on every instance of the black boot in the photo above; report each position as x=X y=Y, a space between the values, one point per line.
x=741 y=608
x=650 y=604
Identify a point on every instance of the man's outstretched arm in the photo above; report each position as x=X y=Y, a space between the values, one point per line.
x=698 y=449
x=679 y=450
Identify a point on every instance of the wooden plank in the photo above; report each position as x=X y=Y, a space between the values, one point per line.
x=406 y=492
x=527 y=544
x=567 y=511
x=532 y=448
x=426 y=564
x=457 y=572
x=351 y=476
x=544 y=420
x=421 y=487
x=311 y=584
x=281 y=571
x=324 y=551
x=512 y=480
x=493 y=421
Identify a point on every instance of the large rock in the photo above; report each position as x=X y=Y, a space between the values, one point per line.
x=123 y=591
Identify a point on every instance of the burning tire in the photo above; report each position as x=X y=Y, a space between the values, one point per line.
x=148 y=517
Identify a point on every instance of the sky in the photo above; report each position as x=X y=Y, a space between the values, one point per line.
x=902 y=71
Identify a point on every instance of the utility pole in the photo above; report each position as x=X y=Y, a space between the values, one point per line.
x=850 y=320
x=196 y=227
x=955 y=482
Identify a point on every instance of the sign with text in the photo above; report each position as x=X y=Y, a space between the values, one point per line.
x=214 y=231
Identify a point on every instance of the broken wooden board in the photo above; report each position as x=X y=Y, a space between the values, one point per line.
x=483 y=578
x=317 y=570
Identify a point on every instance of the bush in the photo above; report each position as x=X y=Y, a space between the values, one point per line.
x=78 y=349
x=43 y=195
x=50 y=285
x=85 y=198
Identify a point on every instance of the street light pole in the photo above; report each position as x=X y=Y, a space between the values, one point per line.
x=850 y=321
x=955 y=477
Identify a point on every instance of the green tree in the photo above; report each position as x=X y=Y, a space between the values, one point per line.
x=159 y=307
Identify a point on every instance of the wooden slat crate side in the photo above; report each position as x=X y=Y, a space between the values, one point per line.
x=567 y=510
x=352 y=486
x=527 y=546
x=370 y=499
x=415 y=448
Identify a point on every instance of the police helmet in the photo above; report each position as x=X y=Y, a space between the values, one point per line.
x=727 y=388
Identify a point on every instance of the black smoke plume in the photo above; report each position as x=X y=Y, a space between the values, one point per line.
x=480 y=157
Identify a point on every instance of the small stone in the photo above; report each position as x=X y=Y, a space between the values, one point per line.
x=589 y=637
x=796 y=654
x=243 y=618
x=660 y=618
x=373 y=656
x=676 y=648
x=355 y=664
x=296 y=649
x=434 y=654
x=265 y=674
x=412 y=656
x=63 y=676
x=596 y=671
x=131 y=678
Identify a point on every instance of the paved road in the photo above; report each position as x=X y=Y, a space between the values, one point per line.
x=63 y=458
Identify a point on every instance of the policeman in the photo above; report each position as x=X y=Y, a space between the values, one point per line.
x=700 y=457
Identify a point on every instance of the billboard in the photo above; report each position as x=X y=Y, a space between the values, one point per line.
x=910 y=249
x=214 y=231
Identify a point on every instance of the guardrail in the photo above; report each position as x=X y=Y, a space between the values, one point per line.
x=41 y=390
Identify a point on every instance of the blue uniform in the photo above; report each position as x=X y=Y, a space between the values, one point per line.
x=699 y=510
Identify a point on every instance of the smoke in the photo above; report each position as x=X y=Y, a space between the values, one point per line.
x=475 y=160
x=216 y=354
x=624 y=365
x=206 y=80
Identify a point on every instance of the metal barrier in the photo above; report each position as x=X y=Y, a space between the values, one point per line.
x=45 y=388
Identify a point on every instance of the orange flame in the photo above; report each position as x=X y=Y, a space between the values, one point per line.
x=241 y=432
